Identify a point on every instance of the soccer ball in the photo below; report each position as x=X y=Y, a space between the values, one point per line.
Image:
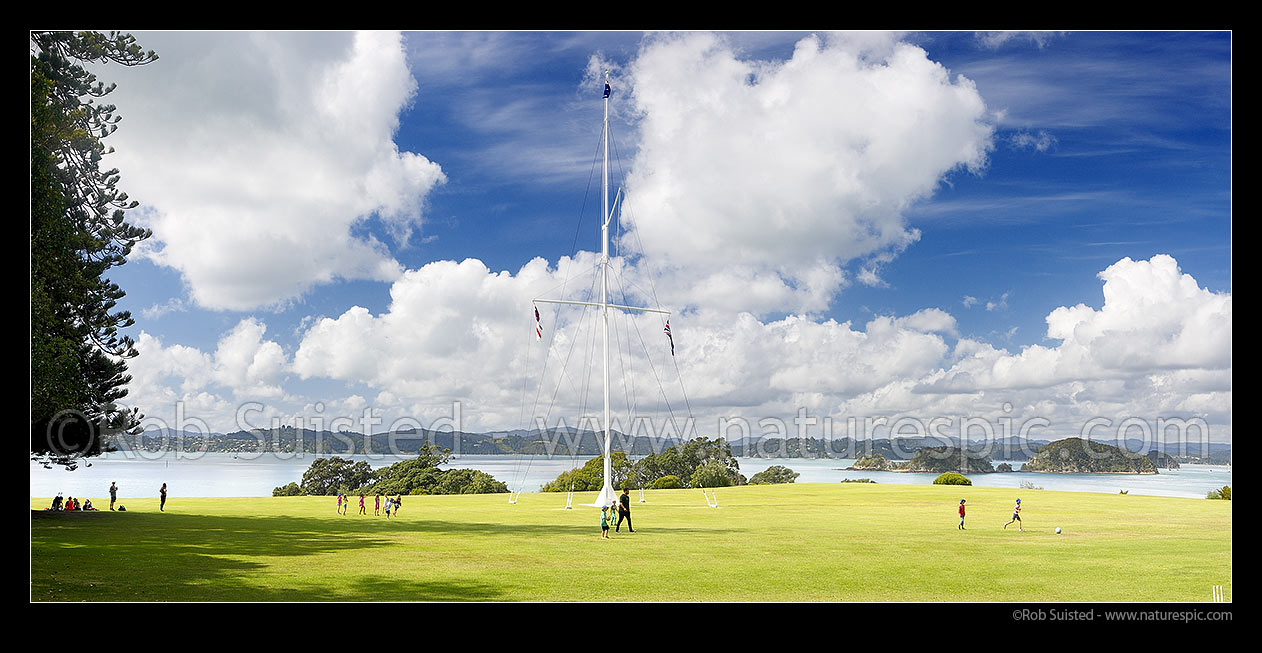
x=1058 y=530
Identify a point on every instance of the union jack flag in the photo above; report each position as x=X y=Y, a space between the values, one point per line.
x=670 y=338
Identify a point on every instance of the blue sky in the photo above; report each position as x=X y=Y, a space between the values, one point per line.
x=1062 y=155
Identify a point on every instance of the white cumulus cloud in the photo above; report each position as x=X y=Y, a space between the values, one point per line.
x=783 y=171
x=260 y=155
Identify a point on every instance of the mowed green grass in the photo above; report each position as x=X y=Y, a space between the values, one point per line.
x=796 y=542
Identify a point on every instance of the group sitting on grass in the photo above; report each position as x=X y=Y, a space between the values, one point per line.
x=70 y=503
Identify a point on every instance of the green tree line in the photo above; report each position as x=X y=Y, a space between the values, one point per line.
x=697 y=463
x=419 y=475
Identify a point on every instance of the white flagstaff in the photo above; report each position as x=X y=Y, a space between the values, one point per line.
x=607 y=496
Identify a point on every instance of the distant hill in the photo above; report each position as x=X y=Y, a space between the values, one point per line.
x=1075 y=455
x=904 y=448
x=566 y=442
x=560 y=442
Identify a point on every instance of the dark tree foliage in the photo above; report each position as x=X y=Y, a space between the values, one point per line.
x=699 y=462
x=419 y=475
x=684 y=460
x=467 y=481
x=591 y=476
x=290 y=490
x=328 y=476
x=774 y=474
x=415 y=476
x=78 y=355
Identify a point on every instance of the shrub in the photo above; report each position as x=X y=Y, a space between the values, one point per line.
x=1223 y=493
x=774 y=474
x=668 y=482
x=291 y=490
x=467 y=481
x=711 y=473
x=952 y=478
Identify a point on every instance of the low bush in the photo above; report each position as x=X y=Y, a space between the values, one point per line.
x=668 y=482
x=291 y=490
x=1222 y=493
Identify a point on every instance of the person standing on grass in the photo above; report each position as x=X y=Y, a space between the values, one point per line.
x=376 y=507
x=113 y=493
x=389 y=503
x=1016 y=516
x=362 y=509
x=962 y=515
x=398 y=503
x=339 y=503
x=605 y=518
x=163 y=501
x=624 y=511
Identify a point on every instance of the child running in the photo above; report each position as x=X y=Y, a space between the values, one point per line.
x=962 y=515
x=1016 y=516
x=389 y=501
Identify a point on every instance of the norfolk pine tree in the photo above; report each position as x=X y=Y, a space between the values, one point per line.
x=78 y=232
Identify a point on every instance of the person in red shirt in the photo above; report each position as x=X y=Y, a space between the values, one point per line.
x=962 y=515
x=1016 y=516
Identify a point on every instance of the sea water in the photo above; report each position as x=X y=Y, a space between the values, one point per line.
x=140 y=474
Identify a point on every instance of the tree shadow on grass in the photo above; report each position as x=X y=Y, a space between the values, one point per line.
x=176 y=557
x=172 y=557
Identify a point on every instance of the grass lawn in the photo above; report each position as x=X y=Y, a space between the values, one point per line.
x=795 y=542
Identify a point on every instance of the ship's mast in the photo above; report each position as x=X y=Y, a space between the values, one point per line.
x=607 y=495
x=604 y=295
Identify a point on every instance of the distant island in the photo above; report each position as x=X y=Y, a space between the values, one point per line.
x=1069 y=456
x=1078 y=456
x=935 y=460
